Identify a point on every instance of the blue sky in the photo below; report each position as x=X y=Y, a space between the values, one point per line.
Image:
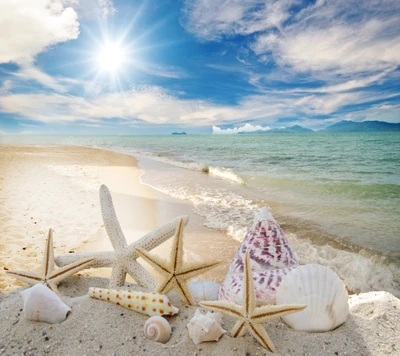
x=202 y=66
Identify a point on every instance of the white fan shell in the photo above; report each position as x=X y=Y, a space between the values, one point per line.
x=321 y=290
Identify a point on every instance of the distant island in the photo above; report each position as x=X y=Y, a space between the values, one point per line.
x=291 y=129
x=341 y=126
x=179 y=133
x=364 y=126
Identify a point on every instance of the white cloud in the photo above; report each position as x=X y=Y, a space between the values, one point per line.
x=213 y=19
x=106 y=8
x=29 y=27
x=343 y=37
x=246 y=128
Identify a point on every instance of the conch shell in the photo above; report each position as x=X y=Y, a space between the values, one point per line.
x=144 y=303
x=205 y=327
x=157 y=329
x=271 y=258
x=42 y=304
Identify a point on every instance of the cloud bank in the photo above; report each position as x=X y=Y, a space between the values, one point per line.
x=246 y=128
x=29 y=27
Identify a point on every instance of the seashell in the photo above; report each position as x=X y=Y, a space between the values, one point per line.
x=204 y=290
x=271 y=258
x=205 y=327
x=157 y=329
x=42 y=304
x=322 y=291
x=144 y=303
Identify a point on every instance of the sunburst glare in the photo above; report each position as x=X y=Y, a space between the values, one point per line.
x=111 y=58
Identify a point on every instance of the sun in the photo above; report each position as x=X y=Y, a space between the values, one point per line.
x=110 y=58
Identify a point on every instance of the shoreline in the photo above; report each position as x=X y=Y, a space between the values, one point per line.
x=57 y=186
x=36 y=181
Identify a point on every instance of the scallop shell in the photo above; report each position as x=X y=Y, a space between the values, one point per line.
x=205 y=327
x=271 y=258
x=204 y=290
x=144 y=303
x=42 y=304
x=322 y=291
x=157 y=329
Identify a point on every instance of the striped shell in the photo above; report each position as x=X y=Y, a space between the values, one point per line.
x=144 y=303
x=322 y=291
x=157 y=329
x=271 y=258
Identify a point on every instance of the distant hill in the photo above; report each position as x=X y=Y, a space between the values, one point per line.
x=291 y=129
x=364 y=126
x=179 y=133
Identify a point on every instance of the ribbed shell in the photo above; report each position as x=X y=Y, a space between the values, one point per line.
x=144 y=303
x=204 y=290
x=322 y=291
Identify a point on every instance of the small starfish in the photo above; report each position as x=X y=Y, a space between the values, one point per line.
x=174 y=273
x=49 y=277
x=249 y=317
x=123 y=259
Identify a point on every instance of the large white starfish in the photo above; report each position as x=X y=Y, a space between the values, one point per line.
x=49 y=277
x=123 y=259
x=249 y=317
x=175 y=272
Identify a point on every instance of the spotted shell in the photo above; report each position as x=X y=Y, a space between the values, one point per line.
x=157 y=329
x=144 y=303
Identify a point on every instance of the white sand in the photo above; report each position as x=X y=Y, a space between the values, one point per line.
x=58 y=187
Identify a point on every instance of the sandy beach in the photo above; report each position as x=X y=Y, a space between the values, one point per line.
x=57 y=187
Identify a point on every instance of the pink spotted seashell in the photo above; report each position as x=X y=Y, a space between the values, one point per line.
x=271 y=258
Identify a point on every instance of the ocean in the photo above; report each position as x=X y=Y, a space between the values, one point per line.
x=337 y=196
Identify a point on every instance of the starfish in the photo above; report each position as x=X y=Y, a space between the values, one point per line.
x=49 y=277
x=249 y=317
x=174 y=272
x=123 y=259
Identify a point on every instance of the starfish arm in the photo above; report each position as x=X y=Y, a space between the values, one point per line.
x=184 y=291
x=118 y=276
x=231 y=309
x=48 y=258
x=100 y=259
x=262 y=337
x=176 y=255
x=51 y=285
x=156 y=237
x=26 y=276
x=110 y=219
x=194 y=269
x=248 y=289
x=240 y=328
x=64 y=272
x=166 y=284
x=160 y=265
x=269 y=312
x=141 y=275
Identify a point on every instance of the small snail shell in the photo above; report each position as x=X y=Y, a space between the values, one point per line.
x=157 y=329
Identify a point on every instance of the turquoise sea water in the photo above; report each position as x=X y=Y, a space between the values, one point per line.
x=335 y=192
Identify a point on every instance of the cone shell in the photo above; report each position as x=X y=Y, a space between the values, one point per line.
x=42 y=304
x=205 y=327
x=157 y=329
x=204 y=290
x=271 y=258
x=322 y=291
x=144 y=303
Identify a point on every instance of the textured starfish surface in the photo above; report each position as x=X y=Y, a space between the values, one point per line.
x=174 y=272
x=249 y=317
x=50 y=277
x=123 y=259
